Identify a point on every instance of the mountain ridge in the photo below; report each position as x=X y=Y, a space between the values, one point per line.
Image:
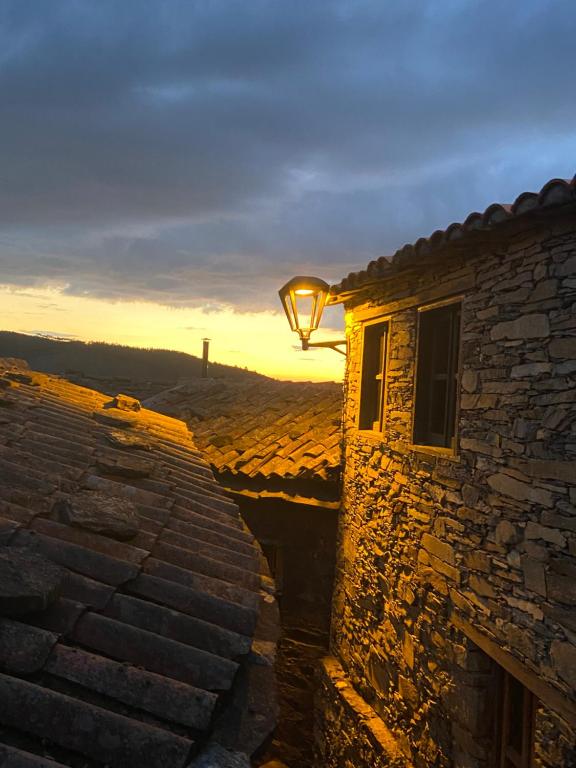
x=89 y=362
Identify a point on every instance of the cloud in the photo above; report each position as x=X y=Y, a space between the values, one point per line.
x=200 y=153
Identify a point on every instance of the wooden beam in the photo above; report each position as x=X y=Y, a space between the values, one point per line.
x=283 y=496
x=449 y=290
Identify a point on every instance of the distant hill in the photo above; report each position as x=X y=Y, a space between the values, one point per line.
x=96 y=363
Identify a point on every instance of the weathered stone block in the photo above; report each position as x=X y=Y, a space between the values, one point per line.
x=563 y=658
x=563 y=349
x=529 y=370
x=534 y=575
x=408 y=650
x=125 y=465
x=469 y=381
x=534 y=326
x=28 y=581
x=378 y=673
x=470 y=495
x=564 y=522
x=513 y=559
x=525 y=606
x=101 y=513
x=478 y=402
x=536 y=551
x=506 y=533
x=564 y=471
x=561 y=589
x=438 y=548
x=408 y=690
x=445 y=569
x=536 y=531
x=547 y=289
x=516 y=489
x=567 y=269
x=480 y=446
x=481 y=586
x=126 y=403
x=477 y=561
x=566 y=617
x=521 y=639
x=126 y=441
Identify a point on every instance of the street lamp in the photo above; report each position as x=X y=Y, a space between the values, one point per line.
x=303 y=299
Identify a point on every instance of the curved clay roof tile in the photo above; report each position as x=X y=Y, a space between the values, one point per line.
x=554 y=192
x=496 y=213
x=403 y=255
x=454 y=231
x=437 y=237
x=422 y=246
x=383 y=265
x=473 y=221
x=525 y=202
x=372 y=269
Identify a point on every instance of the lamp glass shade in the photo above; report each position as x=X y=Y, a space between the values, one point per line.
x=303 y=299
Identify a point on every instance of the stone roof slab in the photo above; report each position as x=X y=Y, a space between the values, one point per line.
x=135 y=590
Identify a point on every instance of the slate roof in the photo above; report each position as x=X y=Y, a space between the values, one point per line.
x=265 y=434
x=555 y=194
x=136 y=660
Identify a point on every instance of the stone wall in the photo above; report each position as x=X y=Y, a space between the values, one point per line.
x=362 y=738
x=448 y=561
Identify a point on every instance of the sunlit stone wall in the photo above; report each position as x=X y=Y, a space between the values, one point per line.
x=438 y=554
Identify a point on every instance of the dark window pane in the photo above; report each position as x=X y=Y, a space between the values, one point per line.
x=515 y=714
x=437 y=405
x=372 y=382
x=516 y=728
x=436 y=376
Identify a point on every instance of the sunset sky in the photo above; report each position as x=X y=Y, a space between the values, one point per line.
x=166 y=165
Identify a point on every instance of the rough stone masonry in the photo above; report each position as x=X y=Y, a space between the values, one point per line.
x=455 y=564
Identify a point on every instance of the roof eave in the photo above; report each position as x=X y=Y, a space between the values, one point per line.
x=556 y=197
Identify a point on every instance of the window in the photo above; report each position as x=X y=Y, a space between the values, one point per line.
x=501 y=716
x=517 y=707
x=372 y=381
x=437 y=376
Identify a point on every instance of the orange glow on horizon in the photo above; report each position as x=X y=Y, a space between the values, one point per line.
x=260 y=341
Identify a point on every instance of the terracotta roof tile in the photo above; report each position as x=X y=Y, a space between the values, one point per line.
x=263 y=430
x=145 y=634
x=555 y=193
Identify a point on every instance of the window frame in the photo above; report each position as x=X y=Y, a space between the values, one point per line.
x=451 y=450
x=384 y=320
x=506 y=755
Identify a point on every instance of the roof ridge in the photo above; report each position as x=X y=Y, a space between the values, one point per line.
x=555 y=192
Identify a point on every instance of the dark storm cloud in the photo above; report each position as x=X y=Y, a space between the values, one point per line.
x=200 y=152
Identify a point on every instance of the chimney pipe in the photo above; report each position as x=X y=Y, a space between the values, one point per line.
x=205 y=348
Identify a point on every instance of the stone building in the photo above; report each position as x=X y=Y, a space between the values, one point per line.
x=454 y=620
x=137 y=617
x=275 y=447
